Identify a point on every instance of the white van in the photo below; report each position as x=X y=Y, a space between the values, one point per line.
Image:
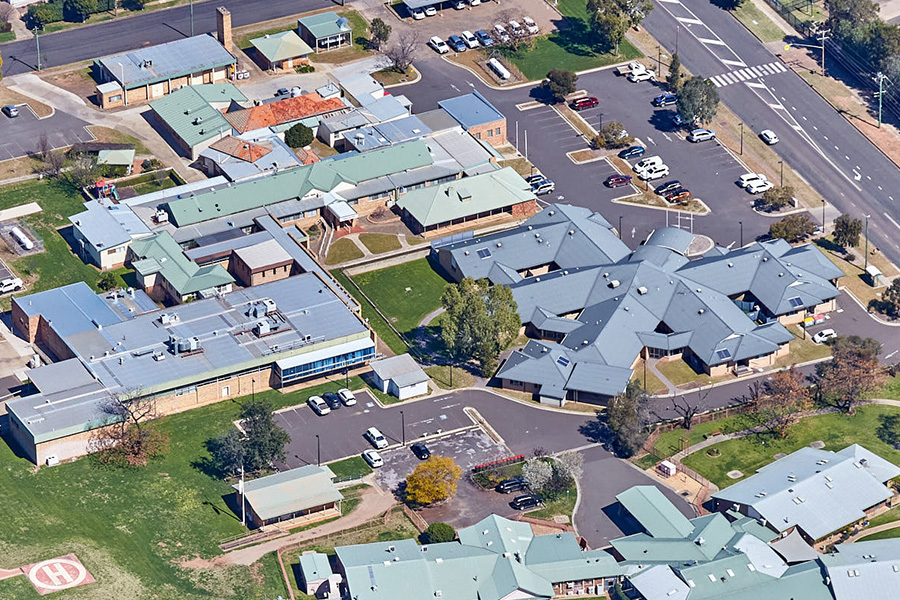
x=376 y=438
x=10 y=284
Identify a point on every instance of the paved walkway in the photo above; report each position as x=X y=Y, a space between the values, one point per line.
x=373 y=503
x=870 y=530
x=671 y=388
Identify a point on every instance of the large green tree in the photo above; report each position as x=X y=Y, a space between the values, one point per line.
x=481 y=321
x=793 y=228
x=627 y=419
x=847 y=231
x=298 y=136
x=261 y=443
x=559 y=84
x=698 y=99
x=674 y=78
x=79 y=10
x=851 y=374
x=379 y=33
x=890 y=300
x=608 y=26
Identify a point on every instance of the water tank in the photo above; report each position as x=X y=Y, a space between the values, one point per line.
x=22 y=238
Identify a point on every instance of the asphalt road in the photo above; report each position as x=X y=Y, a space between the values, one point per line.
x=157 y=27
x=20 y=136
x=817 y=142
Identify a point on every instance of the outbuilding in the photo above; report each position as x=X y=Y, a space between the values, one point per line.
x=283 y=50
x=325 y=31
x=295 y=493
x=400 y=376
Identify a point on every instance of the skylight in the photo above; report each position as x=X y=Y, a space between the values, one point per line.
x=562 y=361
x=723 y=354
x=795 y=302
x=484 y=253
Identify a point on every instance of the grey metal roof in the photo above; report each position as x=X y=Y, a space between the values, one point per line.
x=864 y=570
x=471 y=110
x=108 y=225
x=263 y=255
x=438 y=119
x=671 y=238
x=167 y=61
x=291 y=491
x=70 y=309
x=401 y=368
x=817 y=490
x=660 y=581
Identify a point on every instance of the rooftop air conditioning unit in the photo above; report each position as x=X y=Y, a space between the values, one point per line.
x=614 y=283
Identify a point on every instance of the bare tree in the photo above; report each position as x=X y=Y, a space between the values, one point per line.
x=402 y=52
x=126 y=438
x=84 y=171
x=785 y=395
x=56 y=159
x=43 y=146
x=685 y=409
x=516 y=42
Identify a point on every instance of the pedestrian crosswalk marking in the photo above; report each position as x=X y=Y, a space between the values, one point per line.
x=747 y=74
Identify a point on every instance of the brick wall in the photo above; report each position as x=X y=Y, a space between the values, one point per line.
x=493 y=133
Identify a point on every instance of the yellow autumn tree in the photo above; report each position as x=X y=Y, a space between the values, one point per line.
x=433 y=480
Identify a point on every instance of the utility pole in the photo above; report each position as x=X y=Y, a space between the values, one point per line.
x=37 y=40
x=880 y=77
x=192 y=18
x=742 y=139
x=823 y=35
x=741 y=223
x=243 y=503
x=867 y=241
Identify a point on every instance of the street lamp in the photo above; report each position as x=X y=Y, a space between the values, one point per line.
x=741 y=223
x=742 y=139
x=403 y=428
x=318 y=452
x=867 y=241
x=620 y=227
x=781 y=162
x=823 y=216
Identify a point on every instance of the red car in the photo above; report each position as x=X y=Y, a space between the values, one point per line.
x=617 y=180
x=583 y=103
x=678 y=196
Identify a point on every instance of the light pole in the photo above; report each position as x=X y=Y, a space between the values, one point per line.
x=880 y=77
x=823 y=216
x=192 y=18
x=37 y=40
x=658 y=57
x=318 y=452
x=741 y=223
x=781 y=162
x=823 y=35
x=620 y=227
x=867 y=241
x=402 y=428
x=742 y=139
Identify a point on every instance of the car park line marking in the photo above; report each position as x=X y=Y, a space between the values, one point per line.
x=740 y=75
x=856 y=175
x=755 y=84
x=756 y=71
x=715 y=80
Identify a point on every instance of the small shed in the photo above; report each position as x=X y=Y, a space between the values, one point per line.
x=318 y=578
x=400 y=376
x=289 y=494
x=325 y=31
x=876 y=277
x=667 y=468
x=283 y=50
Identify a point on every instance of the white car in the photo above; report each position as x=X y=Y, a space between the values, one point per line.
x=647 y=163
x=636 y=67
x=418 y=14
x=470 y=39
x=318 y=405
x=346 y=397
x=657 y=172
x=768 y=136
x=376 y=438
x=474 y=2
x=530 y=26
x=430 y=11
x=759 y=186
x=516 y=28
x=459 y=4
x=439 y=45
x=824 y=335
x=701 y=135
x=501 y=33
x=645 y=75
x=373 y=458
x=745 y=180
x=10 y=284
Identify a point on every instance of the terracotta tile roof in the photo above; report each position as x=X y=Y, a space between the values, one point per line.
x=242 y=149
x=306 y=157
x=283 y=111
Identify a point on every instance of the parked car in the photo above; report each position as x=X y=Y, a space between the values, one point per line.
x=430 y=11
x=474 y=2
x=682 y=121
x=638 y=76
x=824 y=335
x=583 y=103
x=375 y=438
x=701 y=135
x=768 y=136
x=532 y=179
x=526 y=501
x=10 y=284
x=373 y=458
x=545 y=186
x=759 y=186
x=421 y=451
x=346 y=397
x=296 y=91
x=646 y=163
x=633 y=152
x=459 y=4
x=501 y=33
x=281 y=92
x=484 y=38
x=318 y=405
x=745 y=180
x=530 y=26
x=439 y=45
x=614 y=181
x=669 y=186
x=679 y=196
x=516 y=28
x=332 y=400
x=418 y=14
x=653 y=173
x=456 y=43
x=470 y=39
x=511 y=485
x=664 y=100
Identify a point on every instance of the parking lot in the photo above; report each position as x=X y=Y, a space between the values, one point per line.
x=449 y=21
x=19 y=136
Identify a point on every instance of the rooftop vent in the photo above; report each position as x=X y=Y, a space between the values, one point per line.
x=551 y=213
x=614 y=283
x=701 y=311
x=642 y=290
x=730 y=265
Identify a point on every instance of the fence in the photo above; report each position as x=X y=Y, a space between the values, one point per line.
x=651 y=446
x=498 y=463
x=786 y=10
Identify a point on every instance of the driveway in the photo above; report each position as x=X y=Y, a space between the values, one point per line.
x=19 y=136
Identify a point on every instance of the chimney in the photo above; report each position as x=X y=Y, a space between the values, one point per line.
x=223 y=27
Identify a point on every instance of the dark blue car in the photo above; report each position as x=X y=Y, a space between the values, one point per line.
x=632 y=152
x=665 y=100
x=484 y=38
x=456 y=43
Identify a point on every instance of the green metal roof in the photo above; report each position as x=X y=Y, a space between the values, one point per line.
x=190 y=116
x=315 y=566
x=161 y=253
x=291 y=491
x=296 y=183
x=654 y=512
x=281 y=46
x=498 y=535
x=219 y=92
x=122 y=157
x=324 y=24
x=465 y=197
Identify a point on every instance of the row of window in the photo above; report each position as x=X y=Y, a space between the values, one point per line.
x=342 y=361
x=490 y=133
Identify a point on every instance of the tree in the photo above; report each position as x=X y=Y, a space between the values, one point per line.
x=613 y=135
x=847 y=231
x=433 y=480
x=559 y=84
x=852 y=372
x=79 y=10
x=107 y=281
x=783 y=396
x=1 y=66
x=402 y=52
x=56 y=160
x=889 y=430
x=890 y=300
x=265 y=441
x=43 y=146
x=608 y=27
x=847 y=17
x=438 y=533
x=793 y=228
x=627 y=419
x=571 y=464
x=379 y=33
x=84 y=171
x=635 y=10
x=481 y=321
x=673 y=79
x=227 y=452
x=698 y=100
x=537 y=472
x=685 y=409
x=125 y=438
x=298 y=136
x=775 y=198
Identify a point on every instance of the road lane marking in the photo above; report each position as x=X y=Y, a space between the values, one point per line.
x=891 y=219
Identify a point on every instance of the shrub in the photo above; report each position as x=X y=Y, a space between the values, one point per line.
x=438 y=533
x=298 y=136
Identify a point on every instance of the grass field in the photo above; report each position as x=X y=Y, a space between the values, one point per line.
x=360 y=42
x=343 y=250
x=350 y=468
x=758 y=23
x=882 y=535
x=379 y=243
x=837 y=430
x=133 y=528
x=440 y=374
x=669 y=442
x=385 y=333
x=405 y=293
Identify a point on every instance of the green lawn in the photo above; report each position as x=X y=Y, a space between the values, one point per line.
x=379 y=243
x=679 y=373
x=385 y=333
x=7 y=36
x=343 y=250
x=758 y=23
x=350 y=468
x=837 y=430
x=405 y=293
x=440 y=374
x=881 y=535
x=668 y=442
x=154 y=186
x=888 y=517
x=563 y=505
x=131 y=528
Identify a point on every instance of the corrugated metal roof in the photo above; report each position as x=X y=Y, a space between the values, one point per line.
x=471 y=110
x=325 y=24
x=183 y=274
x=654 y=512
x=190 y=116
x=291 y=491
x=281 y=46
